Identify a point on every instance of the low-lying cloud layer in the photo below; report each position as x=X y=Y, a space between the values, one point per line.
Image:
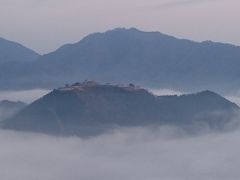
x=126 y=154
x=165 y=92
x=234 y=98
x=26 y=96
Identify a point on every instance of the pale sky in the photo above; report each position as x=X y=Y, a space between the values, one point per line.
x=44 y=25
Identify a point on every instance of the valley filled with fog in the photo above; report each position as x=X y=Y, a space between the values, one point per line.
x=119 y=90
x=137 y=153
x=27 y=96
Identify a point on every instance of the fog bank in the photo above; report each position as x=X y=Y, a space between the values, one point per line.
x=26 y=96
x=165 y=92
x=126 y=154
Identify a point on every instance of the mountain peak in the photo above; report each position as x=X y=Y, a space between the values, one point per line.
x=210 y=94
x=150 y=59
x=123 y=29
x=93 y=86
x=135 y=31
x=207 y=93
x=14 y=52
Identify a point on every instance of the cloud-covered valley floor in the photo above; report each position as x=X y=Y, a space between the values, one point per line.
x=125 y=154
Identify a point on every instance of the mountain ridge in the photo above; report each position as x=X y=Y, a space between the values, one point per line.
x=89 y=108
x=105 y=56
x=151 y=59
x=12 y=51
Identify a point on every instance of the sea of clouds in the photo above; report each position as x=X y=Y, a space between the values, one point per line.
x=124 y=154
x=26 y=96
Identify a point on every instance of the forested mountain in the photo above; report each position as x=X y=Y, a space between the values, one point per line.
x=88 y=108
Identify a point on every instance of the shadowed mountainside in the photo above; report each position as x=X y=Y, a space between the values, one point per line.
x=88 y=108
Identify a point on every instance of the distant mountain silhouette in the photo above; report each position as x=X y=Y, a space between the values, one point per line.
x=14 y=59
x=9 y=108
x=151 y=59
x=15 y=52
x=88 y=108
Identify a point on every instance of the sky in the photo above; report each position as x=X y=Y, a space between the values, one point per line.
x=45 y=25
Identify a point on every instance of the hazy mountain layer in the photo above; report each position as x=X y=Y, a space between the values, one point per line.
x=9 y=108
x=14 y=59
x=14 y=52
x=151 y=59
